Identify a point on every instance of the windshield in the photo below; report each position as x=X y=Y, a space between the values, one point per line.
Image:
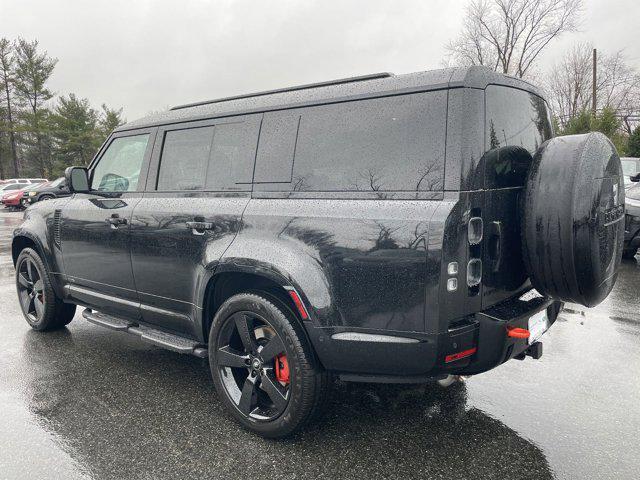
x=56 y=182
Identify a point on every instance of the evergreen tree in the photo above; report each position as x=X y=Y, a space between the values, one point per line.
x=6 y=90
x=75 y=132
x=32 y=71
x=633 y=148
x=110 y=119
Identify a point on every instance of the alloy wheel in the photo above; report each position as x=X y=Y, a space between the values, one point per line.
x=253 y=366
x=31 y=290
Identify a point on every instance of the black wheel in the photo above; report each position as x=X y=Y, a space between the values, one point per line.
x=40 y=306
x=263 y=367
x=629 y=253
x=45 y=197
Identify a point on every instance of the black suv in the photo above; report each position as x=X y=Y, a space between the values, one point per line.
x=47 y=191
x=381 y=229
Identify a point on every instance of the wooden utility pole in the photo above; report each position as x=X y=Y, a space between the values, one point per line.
x=593 y=86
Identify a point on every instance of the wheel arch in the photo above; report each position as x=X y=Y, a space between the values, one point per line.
x=24 y=239
x=227 y=281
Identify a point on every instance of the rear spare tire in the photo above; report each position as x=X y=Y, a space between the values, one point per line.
x=572 y=218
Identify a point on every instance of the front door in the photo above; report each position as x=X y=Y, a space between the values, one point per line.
x=95 y=227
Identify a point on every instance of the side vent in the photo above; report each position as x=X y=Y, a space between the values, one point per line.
x=56 y=228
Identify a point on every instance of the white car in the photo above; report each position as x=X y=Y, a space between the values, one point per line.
x=630 y=167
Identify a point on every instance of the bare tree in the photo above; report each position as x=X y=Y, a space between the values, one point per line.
x=509 y=35
x=570 y=85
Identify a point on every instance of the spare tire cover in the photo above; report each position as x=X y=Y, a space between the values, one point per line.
x=573 y=218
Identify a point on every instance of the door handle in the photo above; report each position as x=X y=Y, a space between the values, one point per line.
x=199 y=227
x=115 y=221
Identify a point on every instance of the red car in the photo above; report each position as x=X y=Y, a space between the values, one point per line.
x=13 y=198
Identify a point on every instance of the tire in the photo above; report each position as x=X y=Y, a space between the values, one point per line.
x=248 y=332
x=629 y=254
x=572 y=218
x=45 y=198
x=42 y=309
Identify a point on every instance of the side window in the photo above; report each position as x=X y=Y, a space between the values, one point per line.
x=277 y=146
x=215 y=158
x=517 y=123
x=232 y=156
x=516 y=118
x=119 y=167
x=386 y=144
x=185 y=155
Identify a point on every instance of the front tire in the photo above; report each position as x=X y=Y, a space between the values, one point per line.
x=40 y=306
x=252 y=339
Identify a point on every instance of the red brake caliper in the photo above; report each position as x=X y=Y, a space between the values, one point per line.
x=282 y=369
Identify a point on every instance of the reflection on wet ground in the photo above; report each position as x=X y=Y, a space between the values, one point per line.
x=87 y=402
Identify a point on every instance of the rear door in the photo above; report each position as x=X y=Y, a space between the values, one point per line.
x=95 y=226
x=199 y=185
x=517 y=123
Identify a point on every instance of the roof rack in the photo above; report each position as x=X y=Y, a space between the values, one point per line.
x=362 y=78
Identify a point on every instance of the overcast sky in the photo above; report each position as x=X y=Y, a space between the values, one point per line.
x=147 y=55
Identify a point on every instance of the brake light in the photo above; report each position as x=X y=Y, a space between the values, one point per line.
x=460 y=355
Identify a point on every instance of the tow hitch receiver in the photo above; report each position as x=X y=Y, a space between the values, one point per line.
x=534 y=351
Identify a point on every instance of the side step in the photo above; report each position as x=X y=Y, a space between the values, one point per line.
x=162 y=339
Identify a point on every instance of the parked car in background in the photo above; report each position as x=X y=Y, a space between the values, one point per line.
x=22 y=180
x=13 y=198
x=46 y=191
x=632 y=222
x=7 y=187
x=630 y=167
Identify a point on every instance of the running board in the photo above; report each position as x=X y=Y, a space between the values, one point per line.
x=159 y=338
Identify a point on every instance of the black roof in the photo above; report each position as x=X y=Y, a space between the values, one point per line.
x=375 y=85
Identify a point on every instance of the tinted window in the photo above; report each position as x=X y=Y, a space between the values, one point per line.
x=119 y=167
x=393 y=143
x=516 y=118
x=233 y=155
x=277 y=145
x=517 y=123
x=185 y=156
x=216 y=157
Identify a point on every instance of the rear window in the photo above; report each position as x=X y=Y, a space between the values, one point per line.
x=377 y=145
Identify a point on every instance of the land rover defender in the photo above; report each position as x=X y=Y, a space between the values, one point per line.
x=385 y=228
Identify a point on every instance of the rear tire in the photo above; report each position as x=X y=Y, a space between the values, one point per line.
x=42 y=309
x=249 y=334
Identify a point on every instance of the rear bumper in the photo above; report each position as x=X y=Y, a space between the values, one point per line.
x=401 y=357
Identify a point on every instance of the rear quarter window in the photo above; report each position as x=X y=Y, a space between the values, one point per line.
x=378 y=145
x=517 y=123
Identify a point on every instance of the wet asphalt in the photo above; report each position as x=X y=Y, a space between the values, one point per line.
x=87 y=402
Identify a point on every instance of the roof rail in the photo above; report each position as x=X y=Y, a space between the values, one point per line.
x=362 y=78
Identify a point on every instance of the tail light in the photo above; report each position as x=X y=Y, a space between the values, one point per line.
x=474 y=272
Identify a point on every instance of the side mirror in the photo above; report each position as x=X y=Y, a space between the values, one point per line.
x=77 y=179
x=635 y=178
